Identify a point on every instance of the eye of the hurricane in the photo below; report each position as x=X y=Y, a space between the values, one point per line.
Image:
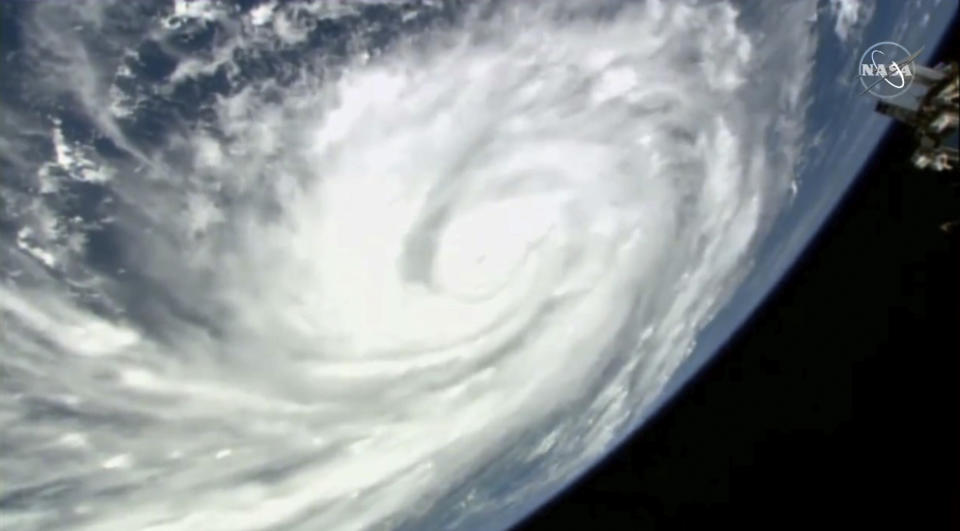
x=481 y=250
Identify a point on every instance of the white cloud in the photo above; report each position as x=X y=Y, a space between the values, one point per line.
x=849 y=15
x=362 y=283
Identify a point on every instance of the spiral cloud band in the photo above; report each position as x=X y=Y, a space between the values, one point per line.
x=385 y=246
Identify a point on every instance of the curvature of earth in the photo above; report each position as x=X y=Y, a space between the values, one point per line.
x=391 y=265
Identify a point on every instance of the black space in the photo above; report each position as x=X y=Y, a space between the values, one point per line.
x=836 y=405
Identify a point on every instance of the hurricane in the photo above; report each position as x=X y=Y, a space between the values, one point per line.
x=327 y=265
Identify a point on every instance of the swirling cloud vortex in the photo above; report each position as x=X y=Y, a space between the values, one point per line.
x=343 y=295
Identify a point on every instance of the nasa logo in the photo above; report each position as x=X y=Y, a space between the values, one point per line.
x=885 y=69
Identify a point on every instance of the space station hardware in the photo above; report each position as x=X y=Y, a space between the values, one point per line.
x=933 y=118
